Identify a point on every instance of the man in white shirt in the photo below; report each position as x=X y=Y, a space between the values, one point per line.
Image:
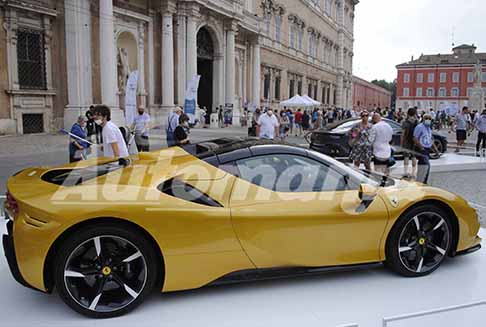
x=113 y=142
x=381 y=136
x=267 y=125
x=172 y=123
x=141 y=125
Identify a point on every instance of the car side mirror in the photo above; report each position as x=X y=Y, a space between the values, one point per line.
x=367 y=192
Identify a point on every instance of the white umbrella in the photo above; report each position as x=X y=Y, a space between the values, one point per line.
x=296 y=101
x=308 y=98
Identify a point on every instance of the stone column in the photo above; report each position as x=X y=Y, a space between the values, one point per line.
x=331 y=94
x=141 y=65
x=340 y=101
x=181 y=58
x=78 y=58
x=167 y=61
x=151 y=75
x=230 y=71
x=191 y=37
x=256 y=74
x=108 y=55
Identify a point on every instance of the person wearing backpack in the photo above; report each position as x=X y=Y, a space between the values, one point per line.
x=407 y=142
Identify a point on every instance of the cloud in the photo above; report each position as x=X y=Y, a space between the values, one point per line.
x=389 y=32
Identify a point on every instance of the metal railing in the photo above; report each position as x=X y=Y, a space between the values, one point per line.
x=431 y=312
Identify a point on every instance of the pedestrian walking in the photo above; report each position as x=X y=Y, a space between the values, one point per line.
x=480 y=125
x=141 y=127
x=114 y=144
x=381 y=135
x=77 y=147
x=267 y=126
x=407 y=142
x=298 y=122
x=284 y=125
x=361 y=151
x=305 y=121
x=463 y=120
x=172 y=123
x=291 y=121
x=220 y=117
x=424 y=142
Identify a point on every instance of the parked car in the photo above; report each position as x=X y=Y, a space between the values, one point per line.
x=333 y=140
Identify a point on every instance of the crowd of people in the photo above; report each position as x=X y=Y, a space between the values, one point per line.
x=370 y=140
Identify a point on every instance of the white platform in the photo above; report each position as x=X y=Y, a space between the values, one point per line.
x=334 y=299
x=449 y=162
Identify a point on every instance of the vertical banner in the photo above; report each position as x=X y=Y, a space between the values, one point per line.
x=191 y=96
x=131 y=98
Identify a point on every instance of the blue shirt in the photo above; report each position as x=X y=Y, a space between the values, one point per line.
x=77 y=130
x=424 y=135
x=480 y=123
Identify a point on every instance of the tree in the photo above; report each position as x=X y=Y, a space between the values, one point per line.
x=390 y=86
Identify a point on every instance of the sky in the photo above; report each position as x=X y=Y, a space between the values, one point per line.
x=390 y=32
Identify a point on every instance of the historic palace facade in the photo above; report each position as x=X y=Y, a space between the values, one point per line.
x=57 y=57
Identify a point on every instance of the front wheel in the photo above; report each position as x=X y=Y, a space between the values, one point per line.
x=419 y=242
x=105 y=270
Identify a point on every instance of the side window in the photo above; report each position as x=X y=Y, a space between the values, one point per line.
x=290 y=173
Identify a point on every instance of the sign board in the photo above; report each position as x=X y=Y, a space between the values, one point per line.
x=191 y=97
x=131 y=98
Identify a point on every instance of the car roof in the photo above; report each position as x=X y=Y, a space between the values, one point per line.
x=222 y=147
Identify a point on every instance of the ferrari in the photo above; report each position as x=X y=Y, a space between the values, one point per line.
x=105 y=233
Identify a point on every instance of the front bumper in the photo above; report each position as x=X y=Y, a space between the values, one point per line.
x=9 y=250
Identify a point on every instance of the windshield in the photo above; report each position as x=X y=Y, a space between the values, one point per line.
x=357 y=175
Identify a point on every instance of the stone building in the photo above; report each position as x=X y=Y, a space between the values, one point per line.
x=59 y=56
x=369 y=96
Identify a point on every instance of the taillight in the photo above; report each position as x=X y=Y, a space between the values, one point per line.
x=12 y=204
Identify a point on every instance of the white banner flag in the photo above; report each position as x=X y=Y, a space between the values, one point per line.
x=131 y=97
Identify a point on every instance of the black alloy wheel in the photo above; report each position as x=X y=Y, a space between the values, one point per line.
x=105 y=272
x=419 y=242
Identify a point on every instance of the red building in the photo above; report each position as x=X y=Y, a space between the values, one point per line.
x=440 y=81
x=368 y=96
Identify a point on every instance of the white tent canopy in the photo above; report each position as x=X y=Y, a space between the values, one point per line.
x=297 y=101
x=308 y=98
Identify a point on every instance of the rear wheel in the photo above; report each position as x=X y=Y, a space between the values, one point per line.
x=440 y=150
x=105 y=270
x=419 y=241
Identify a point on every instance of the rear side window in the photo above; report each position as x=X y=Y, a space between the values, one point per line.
x=181 y=190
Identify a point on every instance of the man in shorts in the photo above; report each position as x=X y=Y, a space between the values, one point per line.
x=463 y=119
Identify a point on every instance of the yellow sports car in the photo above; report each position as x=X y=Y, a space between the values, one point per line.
x=106 y=233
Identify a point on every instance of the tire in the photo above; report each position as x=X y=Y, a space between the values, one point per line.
x=440 y=149
x=418 y=249
x=92 y=278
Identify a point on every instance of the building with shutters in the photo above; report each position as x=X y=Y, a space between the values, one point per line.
x=440 y=81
